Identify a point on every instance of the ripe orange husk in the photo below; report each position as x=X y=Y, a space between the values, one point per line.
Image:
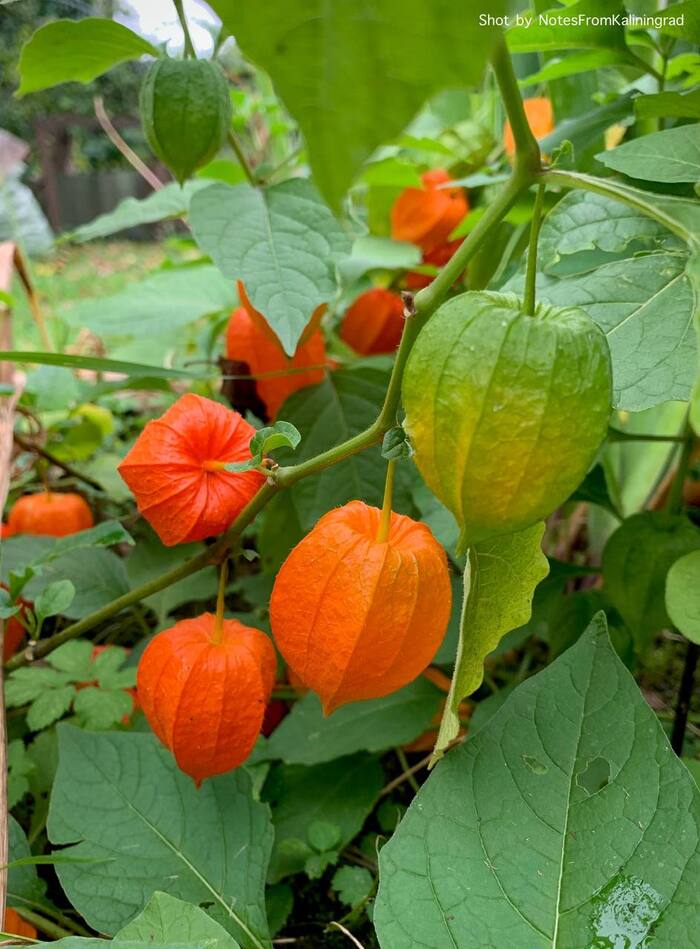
x=246 y=342
x=539 y=114
x=51 y=514
x=356 y=618
x=437 y=258
x=427 y=216
x=14 y=924
x=261 y=322
x=5 y=530
x=172 y=470
x=205 y=700
x=374 y=322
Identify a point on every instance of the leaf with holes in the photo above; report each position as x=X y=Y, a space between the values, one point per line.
x=121 y=798
x=566 y=821
x=282 y=242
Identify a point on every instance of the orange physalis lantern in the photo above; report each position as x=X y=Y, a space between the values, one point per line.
x=203 y=686
x=539 y=114
x=5 y=530
x=374 y=322
x=176 y=470
x=356 y=616
x=49 y=513
x=261 y=351
x=14 y=924
x=427 y=216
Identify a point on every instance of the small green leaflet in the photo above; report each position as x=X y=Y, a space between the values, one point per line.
x=278 y=435
x=669 y=156
x=683 y=595
x=499 y=582
x=565 y=821
x=165 y=918
x=396 y=444
x=54 y=599
x=77 y=50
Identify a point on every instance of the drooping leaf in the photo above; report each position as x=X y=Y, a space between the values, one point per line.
x=24 y=888
x=77 y=50
x=378 y=253
x=92 y=362
x=170 y=201
x=565 y=821
x=121 y=797
x=546 y=31
x=353 y=77
x=499 y=583
x=683 y=595
x=636 y=561
x=583 y=128
x=575 y=64
x=22 y=220
x=673 y=104
x=282 y=242
x=340 y=792
x=671 y=156
x=98 y=576
x=165 y=919
x=306 y=736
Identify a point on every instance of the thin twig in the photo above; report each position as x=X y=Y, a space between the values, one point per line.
x=27 y=445
x=242 y=160
x=346 y=932
x=414 y=769
x=406 y=769
x=115 y=138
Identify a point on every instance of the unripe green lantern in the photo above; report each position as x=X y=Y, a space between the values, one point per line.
x=186 y=112
x=506 y=411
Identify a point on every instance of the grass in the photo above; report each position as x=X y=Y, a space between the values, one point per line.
x=75 y=273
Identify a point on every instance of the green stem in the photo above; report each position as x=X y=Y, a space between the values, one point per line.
x=242 y=160
x=418 y=311
x=527 y=151
x=42 y=924
x=189 y=46
x=632 y=197
x=615 y=435
x=531 y=275
x=385 y=520
x=221 y=601
x=674 y=502
x=406 y=768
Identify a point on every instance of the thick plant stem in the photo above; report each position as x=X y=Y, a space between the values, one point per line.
x=674 y=502
x=531 y=275
x=42 y=924
x=189 y=45
x=221 y=601
x=527 y=165
x=385 y=520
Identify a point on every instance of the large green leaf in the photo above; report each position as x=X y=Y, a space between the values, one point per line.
x=80 y=50
x=170 y=201
x=499 y=583
x=346 y=403
x=306 y=736
x=98 y=575
x=121 y=798
x=636 y=561
x=683 y=595
x=282 y=242
x=645 y=307
x=165 y=919
x=566 y=821
x=150 y=316
x=548 y=29
x=22 y=220
x=353 y=74
x=340 y=793
x=675 y=104
x=672 y=156
x=24 y=888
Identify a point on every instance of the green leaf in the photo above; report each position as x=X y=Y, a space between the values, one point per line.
x=29 y=682
x=100 y=708
x=98 y=575
x=584 y=128
x=104 y=534
x=499 y=583
x=282 y=242
x=77 y=50
x=672 y=104
x=20 y=768
x=671 y=156
x=644 y=306
x=323 y=835
x=396 y=444
x=378 y=253
x=350 y=95
x=317 y=864
x=24 y=887
x=559 y=67
x=54 y=599
x=353 y=885
x=306 y=736
x=682 y=20
x=278 y=435
x=22 y=220
x=165 y=918
x=549 y=31
x=78 y=942
x=170 y=201
x=93 y=362
x=343 y=405
x=73 y=657
x=49 y=707
x=636 y=560
x=565 y=821
x=341 y=792
x=120 y=797
x=683 y=595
